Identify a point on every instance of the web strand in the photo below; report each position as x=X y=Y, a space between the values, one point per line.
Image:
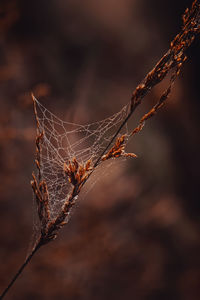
x=63 y=141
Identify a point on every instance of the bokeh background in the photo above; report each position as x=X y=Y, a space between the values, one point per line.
x=135 y=234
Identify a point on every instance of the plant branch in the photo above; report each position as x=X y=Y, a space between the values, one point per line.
x=20 y=270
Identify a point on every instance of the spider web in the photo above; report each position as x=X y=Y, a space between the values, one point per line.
x=62 y=141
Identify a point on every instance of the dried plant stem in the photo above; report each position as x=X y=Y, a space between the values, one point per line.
x=173 y=59
x=36 y=248
x=78 y=174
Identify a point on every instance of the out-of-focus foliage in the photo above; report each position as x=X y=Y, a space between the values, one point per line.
x=135 y=234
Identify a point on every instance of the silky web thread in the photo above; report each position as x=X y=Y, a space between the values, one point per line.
x=62 y=141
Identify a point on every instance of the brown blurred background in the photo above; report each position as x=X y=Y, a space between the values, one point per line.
x=135 y=235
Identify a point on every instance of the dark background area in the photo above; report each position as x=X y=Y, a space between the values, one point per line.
x=135 y=235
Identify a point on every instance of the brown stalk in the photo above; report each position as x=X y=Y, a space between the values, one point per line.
x=172 y=60
x=78 y=174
